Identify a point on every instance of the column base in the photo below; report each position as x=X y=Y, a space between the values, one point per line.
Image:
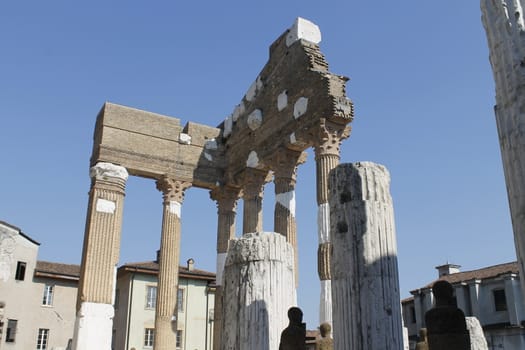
x=93 y=327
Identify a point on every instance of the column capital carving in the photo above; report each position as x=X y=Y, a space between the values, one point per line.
x=253 y=182
x=285 y=161
x=108 y=171
x=330 y=135
x=172 y=189
x=226 y=197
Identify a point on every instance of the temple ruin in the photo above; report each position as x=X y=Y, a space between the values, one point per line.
x=293 y=104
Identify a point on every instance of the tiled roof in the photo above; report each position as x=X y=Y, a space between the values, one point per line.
x=57 y=270
x=153 y=267
x=479 y=274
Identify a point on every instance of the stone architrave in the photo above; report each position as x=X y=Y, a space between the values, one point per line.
x=504 y=23
x=259 y=288
x=165 y=310
x=96 y=292
x=365 y=284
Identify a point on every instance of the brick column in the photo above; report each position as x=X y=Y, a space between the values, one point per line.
x=284 y=166
x=326 y=159
x=100 y=254
x=166 y=308
x=254 y=180
x=226 y=198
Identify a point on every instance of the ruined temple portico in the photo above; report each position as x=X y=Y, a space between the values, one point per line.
x=294 y=103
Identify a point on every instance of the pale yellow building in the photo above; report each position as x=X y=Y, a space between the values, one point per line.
x=135 y=307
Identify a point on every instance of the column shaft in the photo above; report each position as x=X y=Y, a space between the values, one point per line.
x=226 y=198
x=96 y=291
x=252 y=196
x=166 y=310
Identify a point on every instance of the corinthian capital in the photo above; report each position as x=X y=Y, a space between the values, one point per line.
x=330 y=136
x=172 y=190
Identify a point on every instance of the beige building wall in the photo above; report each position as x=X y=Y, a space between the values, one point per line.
x=133 y=317
x=23 y=298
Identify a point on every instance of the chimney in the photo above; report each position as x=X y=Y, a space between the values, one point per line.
x=447 y=269
x=157 y=257
x=190 y=263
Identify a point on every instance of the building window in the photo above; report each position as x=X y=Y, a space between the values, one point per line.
x=41 y=342
x=180 y=300
x=48 y=295
x=412 y=314
x=178 y=341
x=151 y=297
x=149 y=334
x=500 y=300
x=10 y=334
x=20 y=271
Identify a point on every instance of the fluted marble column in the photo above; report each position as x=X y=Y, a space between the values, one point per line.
x=285 y=175
x=365 y=277
x=326 y=159
x=504 y=23
x=226 y=198
x=100 y=254
x=166 y=308
x=254 y=180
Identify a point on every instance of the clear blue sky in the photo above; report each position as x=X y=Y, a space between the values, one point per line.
x=420 y=81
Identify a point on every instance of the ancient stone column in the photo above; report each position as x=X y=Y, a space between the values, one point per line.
x=100 y=255
x=167 y=286
x=284 y=166
x=254 y=180
x=326 y=159
x=226 y=198
x=504 y=24
x=259 y=288
x=365 y=284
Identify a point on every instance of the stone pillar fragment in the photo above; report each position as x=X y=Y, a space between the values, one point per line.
x=365 y=284
x=226 y=198
x=326 y=158
x=166 y=308
x=504 y=23
x=259 y=288
x=254 y=180
x=100 y=254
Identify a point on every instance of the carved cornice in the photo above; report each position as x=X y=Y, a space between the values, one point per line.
x=172 y=190
x=330 y=136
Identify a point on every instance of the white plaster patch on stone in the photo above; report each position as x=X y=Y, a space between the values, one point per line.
x=221 y=260
x=282 y=100
x=228 y=126
x=105 y=206
x=300 y=107
x=211 y=144
x=303 y=29
x=323 y=223
x=253 y=160
x=406 y=341
x=252 y=90
x=93 y=327
x=184 y=139
x=175 y=208
x=287 y=200
x=255 y=119
x=293 y=140
x=325 y=306
x=477 y=337
x=238 y=111
x=104 y=170
x=208 y=156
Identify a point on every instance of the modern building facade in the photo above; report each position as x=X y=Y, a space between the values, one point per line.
x=38 y=301
x=136 y=298
x=492 y=294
